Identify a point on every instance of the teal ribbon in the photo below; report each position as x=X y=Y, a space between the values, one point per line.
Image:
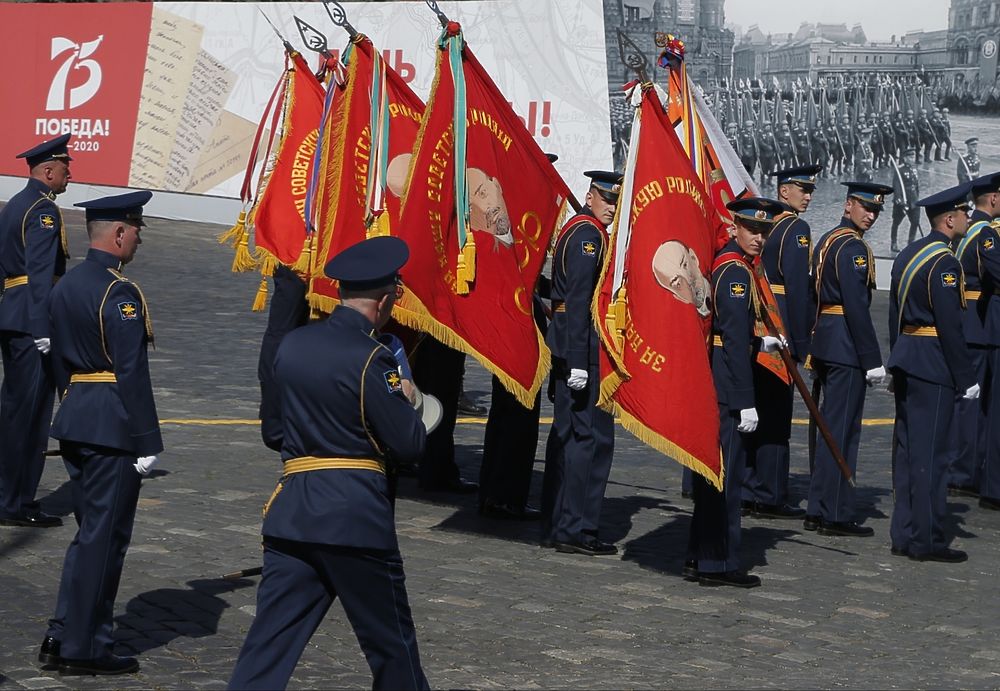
x=969 y=237
x=454 y=45
x=380 y=147
x=909 y=273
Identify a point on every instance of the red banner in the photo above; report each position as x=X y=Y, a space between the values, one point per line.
x=652 y=309
x=73 y=69
x=349 y=154
x=278 y=217
x=515 y=202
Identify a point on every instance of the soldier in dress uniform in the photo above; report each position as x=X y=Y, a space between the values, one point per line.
x=864 y=157
x=289 y=310
x=768 y=153
x=902 y=134
x=107 y=427
x=912 y=134
x=945 y=135
x=714 y=544
x=877 y=146
x=785 y=259
x=846 y=134
x=803 y=145
x=836 y=147
x=733 y=136
x=968 y=163
x=329 y=529
x=33 y=253
x=890 y=150
x=937 y=128
x=748 y=147
x=968 y=433
x=786 y=146
x=930 y=367
x=820 y=147
x=582 y=439
x=844 y=354
x=925 y=135
x=986 y=247
x=906 y=192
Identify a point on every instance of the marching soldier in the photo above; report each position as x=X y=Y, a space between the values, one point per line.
x=748 y=147
x=786 y=146
x=864 y=157
x=737 y=322
x=732 y=134
x=33 y=253
x=906 y=191
x=930 y=367
x=820 y=147
x=785 y=259
x=912 y=134
x=877 y=147
x=925 y=134
x=968 y=163
x=944 y=136
x=107 y=428
x=968 y=433
x=768 y=152
x=846 y=134
x=937 y=129
x=329 y=529
x=845 y=354
x=837 y=152
x=582 y=439
x=889 y=147
x=902 y=134
x=803 y=147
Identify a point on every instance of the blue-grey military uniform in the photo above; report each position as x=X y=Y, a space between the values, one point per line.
x=987 y=248
x=968 y=430
x=329 y=527
x=107 y=419
x=785 y=260
x=930 y=365
x=581 y=442
x=33 y=253
x=844 y=348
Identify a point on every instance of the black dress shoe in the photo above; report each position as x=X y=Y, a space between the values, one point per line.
x=899 y=552
x=736 y=579
x=468 y=407
x=33 y=520
x=104 y=665
x=989 y=503
x=963 y=491
x=810 y=522
x=458 y=486
x=746 y=507
x=48 y=654
x=509 y=512
x=687 y=495
x=590 y=546
x=776 y=511
x=546 y=543
x=845 y=529
x=947 y=555
x=690 y=570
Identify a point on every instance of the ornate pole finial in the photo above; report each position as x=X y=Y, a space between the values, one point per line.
x=442 y=17
x=339 y=17
x=632 y=56
x=313 y=38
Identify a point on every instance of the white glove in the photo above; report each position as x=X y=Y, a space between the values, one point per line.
x=769 y=344
x=875 y=376
x=972 y=393
x=577 y=379
x=44 y=345
x=144 y=464
x=748 y=420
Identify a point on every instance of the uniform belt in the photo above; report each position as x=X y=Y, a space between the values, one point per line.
x=973 y=294
x=558 y=306
x=104 y=377
x=831 y=309
x=913 y=330
x=304 y=464
x=778 y=288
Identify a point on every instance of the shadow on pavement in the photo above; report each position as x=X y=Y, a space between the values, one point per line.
x=157 y=617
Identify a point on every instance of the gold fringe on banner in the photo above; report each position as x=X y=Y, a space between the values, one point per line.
x=303 y=264
x=266 y=262
x=260 y=299
x=465 y=273
x=235 y=234
x=665 y=446
x=414 y=315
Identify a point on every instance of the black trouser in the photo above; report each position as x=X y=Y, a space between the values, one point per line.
x=438 y=370
x=508 y=448
x=899 y=212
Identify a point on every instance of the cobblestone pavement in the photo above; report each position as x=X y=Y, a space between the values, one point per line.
x=492 y=609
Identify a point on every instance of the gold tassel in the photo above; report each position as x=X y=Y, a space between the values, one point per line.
x=237 y=232
x=267 y=262
x=303 y=265
x=465 y=273
x=243 y=260
x=378 y=227
x=260 y=299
